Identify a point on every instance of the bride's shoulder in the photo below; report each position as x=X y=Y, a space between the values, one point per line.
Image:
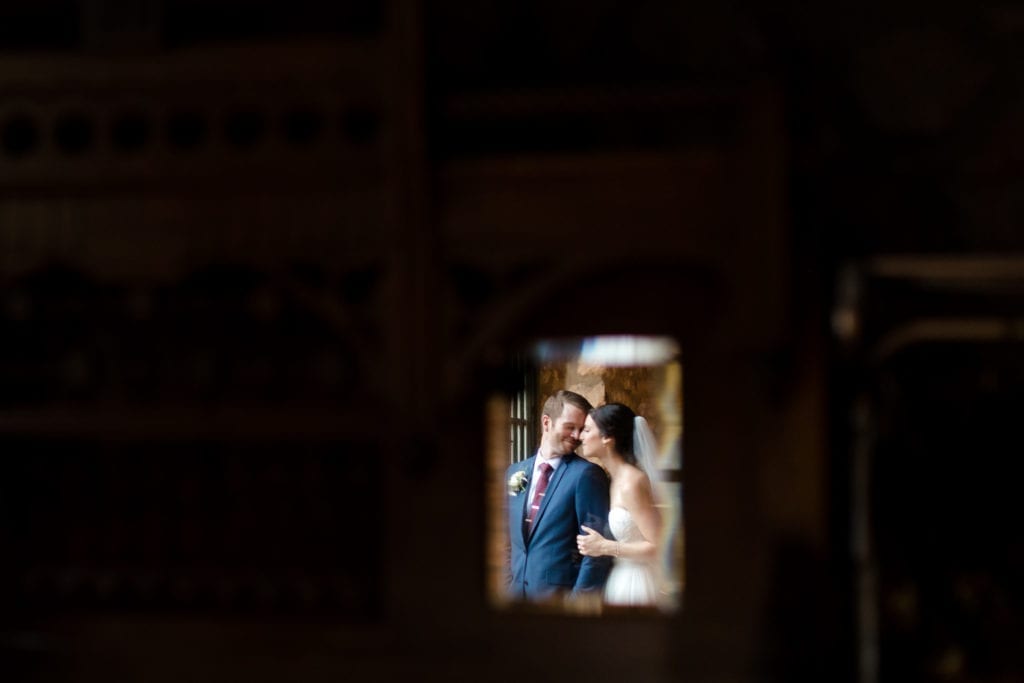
x=633 y=474
x=634 y=479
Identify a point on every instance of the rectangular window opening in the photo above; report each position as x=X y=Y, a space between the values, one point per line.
x=644 y=373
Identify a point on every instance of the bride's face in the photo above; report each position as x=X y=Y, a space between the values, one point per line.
x=592 y=443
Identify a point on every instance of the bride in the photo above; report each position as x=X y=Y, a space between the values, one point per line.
x=617 y=439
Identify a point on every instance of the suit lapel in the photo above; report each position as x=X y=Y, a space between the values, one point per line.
x=523 y=500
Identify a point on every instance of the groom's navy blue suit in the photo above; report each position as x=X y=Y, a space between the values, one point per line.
x=544 y=559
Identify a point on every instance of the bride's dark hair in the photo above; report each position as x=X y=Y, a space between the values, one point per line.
x=615 y=420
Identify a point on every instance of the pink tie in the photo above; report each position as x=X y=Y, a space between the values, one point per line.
x=538 y=494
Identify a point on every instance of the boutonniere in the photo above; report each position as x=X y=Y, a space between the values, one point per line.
x=517 y=483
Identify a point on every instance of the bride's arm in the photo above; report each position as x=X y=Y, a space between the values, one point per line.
x=638 y=499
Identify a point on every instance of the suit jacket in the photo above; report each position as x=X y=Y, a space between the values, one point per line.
x=545 y=561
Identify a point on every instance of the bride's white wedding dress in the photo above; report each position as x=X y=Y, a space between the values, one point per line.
x=632 y=581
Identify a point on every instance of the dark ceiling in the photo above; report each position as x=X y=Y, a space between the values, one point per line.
x=904 y=119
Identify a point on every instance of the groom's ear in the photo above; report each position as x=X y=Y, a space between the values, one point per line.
x=545 y=423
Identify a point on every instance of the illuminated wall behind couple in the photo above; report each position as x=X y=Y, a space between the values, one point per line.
x=649 y=391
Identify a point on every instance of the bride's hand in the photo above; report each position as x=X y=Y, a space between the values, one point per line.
x=589 y=542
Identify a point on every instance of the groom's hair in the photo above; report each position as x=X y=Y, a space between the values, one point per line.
x=555 y=404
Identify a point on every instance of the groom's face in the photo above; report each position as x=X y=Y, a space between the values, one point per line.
x=563 y=433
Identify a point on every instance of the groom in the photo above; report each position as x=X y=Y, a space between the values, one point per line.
x=550 y=496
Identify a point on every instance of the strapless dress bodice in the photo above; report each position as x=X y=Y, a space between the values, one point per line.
x=622 y=525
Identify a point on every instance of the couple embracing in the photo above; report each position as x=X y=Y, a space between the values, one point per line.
x=585 y=527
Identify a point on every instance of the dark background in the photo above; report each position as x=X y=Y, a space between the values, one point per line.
x=261 y=264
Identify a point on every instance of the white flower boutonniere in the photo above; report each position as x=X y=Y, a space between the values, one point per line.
x=517 y=483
